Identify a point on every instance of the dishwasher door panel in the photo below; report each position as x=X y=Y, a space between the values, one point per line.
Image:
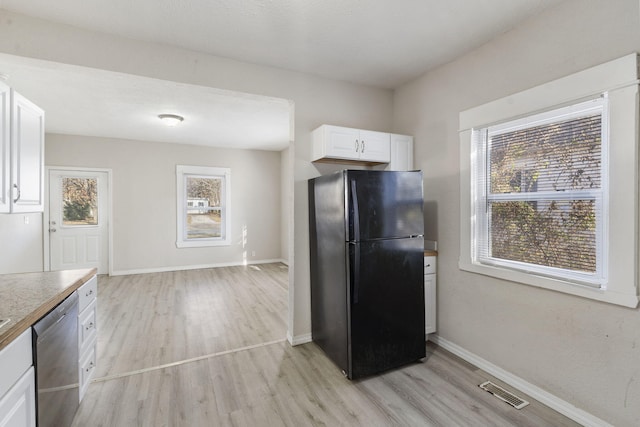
x=56 y=362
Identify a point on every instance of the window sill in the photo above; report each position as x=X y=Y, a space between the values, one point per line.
x=598 y=294
x=203 y=244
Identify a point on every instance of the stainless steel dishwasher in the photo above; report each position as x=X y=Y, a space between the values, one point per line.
x=55 y=343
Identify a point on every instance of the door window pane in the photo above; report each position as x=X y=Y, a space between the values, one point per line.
x=79 y=201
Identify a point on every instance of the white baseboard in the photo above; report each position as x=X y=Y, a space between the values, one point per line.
x=190 y=267
x=298 y=339
x=542 y=396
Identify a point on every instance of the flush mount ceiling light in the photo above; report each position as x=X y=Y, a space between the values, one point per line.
x=170 y=119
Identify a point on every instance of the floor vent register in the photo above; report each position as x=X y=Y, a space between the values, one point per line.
x=504 y=395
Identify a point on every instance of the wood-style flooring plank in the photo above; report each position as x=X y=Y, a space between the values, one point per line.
x=154 y=319
x=234 y=320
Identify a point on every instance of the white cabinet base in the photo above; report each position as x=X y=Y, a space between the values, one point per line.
x=18 y=405
x=87 y=333
x=429 y=294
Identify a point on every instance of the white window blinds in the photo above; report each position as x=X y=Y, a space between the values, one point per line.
x=540 y=187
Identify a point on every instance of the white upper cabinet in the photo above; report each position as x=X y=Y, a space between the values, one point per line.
x=5 y=148
x=22 y=133
x=401 y=153
x=335 y=143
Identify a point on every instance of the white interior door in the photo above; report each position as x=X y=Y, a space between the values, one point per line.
x=78 y=220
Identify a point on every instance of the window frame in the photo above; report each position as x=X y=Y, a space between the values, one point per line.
x=483 y=196
x=182 y=173
x=620 y=80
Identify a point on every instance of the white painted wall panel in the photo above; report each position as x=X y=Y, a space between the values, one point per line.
x=583 y=351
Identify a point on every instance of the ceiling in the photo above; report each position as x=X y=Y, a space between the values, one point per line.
x=382 y=43
x=91 y=102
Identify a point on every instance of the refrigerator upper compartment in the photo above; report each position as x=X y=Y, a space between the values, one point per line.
x=383 y=204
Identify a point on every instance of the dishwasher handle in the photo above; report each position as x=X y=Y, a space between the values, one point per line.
x=67 y=307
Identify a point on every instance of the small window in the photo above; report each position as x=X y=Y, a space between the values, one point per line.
x=540 y=186
x=203 y=206
x=79 y=201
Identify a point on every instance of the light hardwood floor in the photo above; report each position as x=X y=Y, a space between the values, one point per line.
x=208 y=348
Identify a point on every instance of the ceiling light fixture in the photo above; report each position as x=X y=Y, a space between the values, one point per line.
x=171 y=119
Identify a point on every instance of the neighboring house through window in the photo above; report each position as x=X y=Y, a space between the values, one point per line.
x=204 y=206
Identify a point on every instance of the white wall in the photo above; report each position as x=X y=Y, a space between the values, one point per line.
x=144 y=199
x=20 y=243
x=316 y=101
x=286 y=201
x=585 y=352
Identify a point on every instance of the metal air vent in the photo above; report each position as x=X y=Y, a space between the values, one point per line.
x=504 y=395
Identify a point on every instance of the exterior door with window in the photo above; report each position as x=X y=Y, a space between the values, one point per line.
x=78 y=220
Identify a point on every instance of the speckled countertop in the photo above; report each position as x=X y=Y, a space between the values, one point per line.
x=25 y=298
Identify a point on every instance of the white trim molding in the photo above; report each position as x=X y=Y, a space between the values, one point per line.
x=191 y=267
x=298 y=339
x=542 y=396
x=45 y=217
x=184 y=172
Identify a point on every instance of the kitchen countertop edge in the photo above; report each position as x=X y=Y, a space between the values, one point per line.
x=13 y=330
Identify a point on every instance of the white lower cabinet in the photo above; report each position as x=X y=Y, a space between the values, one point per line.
x=430 y=294
x=18 y=406
x=87 y=332
x=17 y=383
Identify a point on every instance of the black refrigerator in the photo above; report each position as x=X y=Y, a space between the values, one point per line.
x=367 y=275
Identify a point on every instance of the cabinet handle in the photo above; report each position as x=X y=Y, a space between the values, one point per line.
x=89 y=293
x=363 y=146
x=357 y=145
x=17 y=188
x=89 y=326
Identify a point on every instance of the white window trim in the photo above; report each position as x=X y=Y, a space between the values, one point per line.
x=182 y=171
x=619 y=79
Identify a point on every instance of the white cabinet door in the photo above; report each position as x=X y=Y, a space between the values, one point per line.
x=374 y=146
x=17 y=383
x=5 y=146
x=341 y=142
x=429 y=303
x=18 y=406
x=87 y=333
x=27 y=155
x=430 y=294
x=335 y=143
x=401 y=153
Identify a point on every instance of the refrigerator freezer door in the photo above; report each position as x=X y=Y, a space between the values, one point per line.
x=386 y=304
x=383 y=204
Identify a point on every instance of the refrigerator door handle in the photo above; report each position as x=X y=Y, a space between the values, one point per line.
x=356 y=272
x=356 y=212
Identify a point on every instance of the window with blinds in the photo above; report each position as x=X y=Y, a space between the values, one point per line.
x=540 y=185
